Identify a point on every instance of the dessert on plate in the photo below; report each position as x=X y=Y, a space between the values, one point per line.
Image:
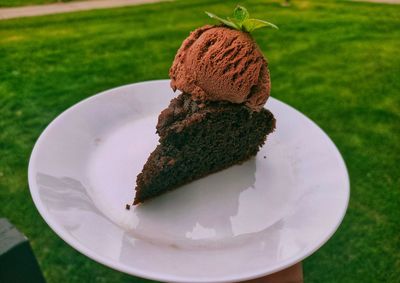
x=219 y=118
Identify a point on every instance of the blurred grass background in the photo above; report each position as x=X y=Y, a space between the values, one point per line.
x=338 y=62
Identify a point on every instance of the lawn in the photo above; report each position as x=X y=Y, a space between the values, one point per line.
x=337 y=62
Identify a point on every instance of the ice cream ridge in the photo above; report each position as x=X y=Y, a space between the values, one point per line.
x=223 y=63
x=218 y=119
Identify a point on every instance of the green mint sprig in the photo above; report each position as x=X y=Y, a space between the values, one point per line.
x=241 y=20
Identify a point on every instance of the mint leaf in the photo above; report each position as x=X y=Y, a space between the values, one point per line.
x=236 y=22
x=240 y=14
x=250 y=25
x=241 y=20
x=225 y=22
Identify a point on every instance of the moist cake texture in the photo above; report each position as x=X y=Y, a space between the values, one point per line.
x=200 y=138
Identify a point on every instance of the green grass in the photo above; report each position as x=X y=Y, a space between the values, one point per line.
x=337 y=62
x=17 y=3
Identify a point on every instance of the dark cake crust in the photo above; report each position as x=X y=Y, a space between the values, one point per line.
x=197 y=139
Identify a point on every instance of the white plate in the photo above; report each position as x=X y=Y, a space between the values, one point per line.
x=244 y=222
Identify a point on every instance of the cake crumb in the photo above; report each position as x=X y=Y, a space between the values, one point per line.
x=97 y=141
x=127 y=207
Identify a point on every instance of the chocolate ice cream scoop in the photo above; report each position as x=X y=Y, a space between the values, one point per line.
x=218 y=63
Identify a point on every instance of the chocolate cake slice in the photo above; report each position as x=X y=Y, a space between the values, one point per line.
x=200 y=138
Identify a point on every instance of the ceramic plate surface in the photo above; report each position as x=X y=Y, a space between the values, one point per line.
x=244 y=222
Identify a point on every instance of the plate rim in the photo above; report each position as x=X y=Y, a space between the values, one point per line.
x=154 y=275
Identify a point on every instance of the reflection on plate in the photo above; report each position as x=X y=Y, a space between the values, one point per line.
x=246 y=221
